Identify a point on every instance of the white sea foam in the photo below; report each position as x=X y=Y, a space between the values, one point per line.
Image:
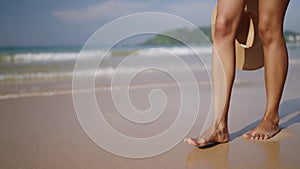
x=29 y=57
x=181 y=51
x=294 y=61
x=52 y=56
x=108 y=71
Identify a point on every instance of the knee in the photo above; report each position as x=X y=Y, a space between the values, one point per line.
x=268 y=30
x=223 y=28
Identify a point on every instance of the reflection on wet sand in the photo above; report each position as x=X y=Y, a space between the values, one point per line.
x=243 y=153
x=269 y=156
x=214 y=157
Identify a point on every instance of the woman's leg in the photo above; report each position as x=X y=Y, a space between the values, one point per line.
x=223 y=70
x=271 y=18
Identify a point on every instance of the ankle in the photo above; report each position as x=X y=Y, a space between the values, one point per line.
x=272 y=115
x=221 y=126
x=274 y=120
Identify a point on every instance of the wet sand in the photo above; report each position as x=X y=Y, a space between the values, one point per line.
x=44 y=132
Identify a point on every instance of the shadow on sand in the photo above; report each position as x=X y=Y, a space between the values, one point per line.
x=218 y=156
x=287 y=108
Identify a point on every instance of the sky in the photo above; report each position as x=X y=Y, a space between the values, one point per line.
x=72 y=22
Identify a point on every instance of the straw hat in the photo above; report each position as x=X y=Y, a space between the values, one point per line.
x=248 y=46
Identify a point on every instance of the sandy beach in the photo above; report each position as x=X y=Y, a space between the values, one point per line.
x=44 y=132
x=120 y=84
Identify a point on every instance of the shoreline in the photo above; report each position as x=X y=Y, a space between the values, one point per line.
x=65 y=87
x=237 y=84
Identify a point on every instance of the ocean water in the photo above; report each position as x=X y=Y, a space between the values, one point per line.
x=26 y=71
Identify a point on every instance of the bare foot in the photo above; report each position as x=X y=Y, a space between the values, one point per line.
x=265 y=130
x=211 y=136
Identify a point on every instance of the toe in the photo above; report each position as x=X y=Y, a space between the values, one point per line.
x=247 y=135
x=201 y=141
x=256 y=137
x=188 y=141
x=191 y=141
x=266 y=137
x=263 y=137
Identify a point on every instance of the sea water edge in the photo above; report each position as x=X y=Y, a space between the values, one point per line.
x=27 y=71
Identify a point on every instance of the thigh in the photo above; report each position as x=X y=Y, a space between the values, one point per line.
x=230 y=10
x=271 y=13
